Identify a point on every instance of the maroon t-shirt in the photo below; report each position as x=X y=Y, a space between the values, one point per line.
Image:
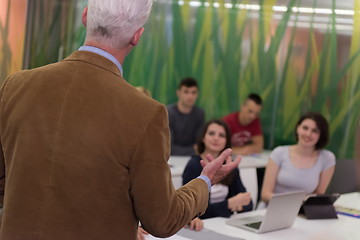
x=241 y=135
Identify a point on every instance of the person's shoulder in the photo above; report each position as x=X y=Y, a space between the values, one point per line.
x=327 y=159
x=171 y=107
x=172 y=110
x=327 y=154
x=230 y=117
x=231 y=114
x=31 y=74
x=141 y=104
x=195 y=159
x=279 y=153
x=198 y=111
x=281 y=148
x=194 y=162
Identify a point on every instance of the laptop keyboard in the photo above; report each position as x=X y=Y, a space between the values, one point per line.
x=255 y=225
x=252 y=219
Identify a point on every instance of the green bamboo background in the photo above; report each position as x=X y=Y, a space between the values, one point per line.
x=231 y=52
x=55 y=30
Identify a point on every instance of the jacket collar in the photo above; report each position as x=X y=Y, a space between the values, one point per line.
x=94 y=59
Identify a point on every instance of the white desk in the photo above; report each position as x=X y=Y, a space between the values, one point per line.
x=177 y=165
x=343 y=228
x=259 y=160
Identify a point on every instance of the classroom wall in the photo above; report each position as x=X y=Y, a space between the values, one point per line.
x=296 y=61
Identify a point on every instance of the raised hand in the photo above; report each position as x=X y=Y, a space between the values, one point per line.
x=215 y=169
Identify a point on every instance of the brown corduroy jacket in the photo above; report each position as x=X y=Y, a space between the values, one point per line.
x=84 y=156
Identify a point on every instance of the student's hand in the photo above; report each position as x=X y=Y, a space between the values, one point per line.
x=141 y=233
x=236 y=203
x=196 y=224
x=215 y=169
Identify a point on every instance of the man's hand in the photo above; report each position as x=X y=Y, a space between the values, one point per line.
x=215 y=169
x=196 y=224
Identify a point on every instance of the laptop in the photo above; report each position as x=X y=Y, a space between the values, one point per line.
x=280 y=213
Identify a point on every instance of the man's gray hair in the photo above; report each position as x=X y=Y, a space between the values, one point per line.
x=114 y=22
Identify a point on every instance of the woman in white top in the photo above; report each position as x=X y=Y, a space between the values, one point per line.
x=305 y=166
x=230 y=194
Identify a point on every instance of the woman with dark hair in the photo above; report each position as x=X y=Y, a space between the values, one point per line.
x=305 y=166
x=230 y=194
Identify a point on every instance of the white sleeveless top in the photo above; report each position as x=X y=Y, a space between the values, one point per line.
x=218 y=193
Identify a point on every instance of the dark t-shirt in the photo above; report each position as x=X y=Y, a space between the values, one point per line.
x=184 y=129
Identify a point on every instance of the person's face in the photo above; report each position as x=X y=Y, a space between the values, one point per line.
x=308 y=133
x=187 y=95
x=215 y=138
x=249 y=112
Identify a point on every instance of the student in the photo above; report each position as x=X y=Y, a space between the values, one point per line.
x=245 y=127
x=83 y=154
x=185 y=119
x=305 y=166
x=230 y=195
x=246 y=133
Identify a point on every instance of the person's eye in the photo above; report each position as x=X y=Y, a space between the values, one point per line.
x=211 y=133
x=222 y=135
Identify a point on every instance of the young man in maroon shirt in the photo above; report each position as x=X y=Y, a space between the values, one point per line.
x=245 y=127
x=246 y=133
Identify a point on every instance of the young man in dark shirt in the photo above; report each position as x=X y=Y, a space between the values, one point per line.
x=185 y=119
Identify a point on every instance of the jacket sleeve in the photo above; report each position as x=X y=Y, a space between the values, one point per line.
x=161 y=209
x=2 y=159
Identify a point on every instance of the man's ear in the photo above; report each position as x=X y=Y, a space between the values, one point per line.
x=84 y=16
x=137 y=35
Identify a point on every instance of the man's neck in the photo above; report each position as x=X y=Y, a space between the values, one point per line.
x=119 y=54
x=184 y=109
